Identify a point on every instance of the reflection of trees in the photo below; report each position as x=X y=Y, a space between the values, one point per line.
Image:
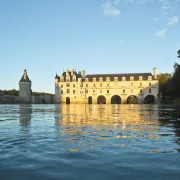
x=169 y=117
x=25 y=111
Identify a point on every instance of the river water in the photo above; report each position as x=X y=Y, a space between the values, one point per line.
x=89 y=142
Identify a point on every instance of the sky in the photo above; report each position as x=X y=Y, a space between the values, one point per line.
x=99 y=36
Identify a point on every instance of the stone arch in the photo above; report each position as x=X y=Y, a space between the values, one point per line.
x=68 y=100
x=43 y=101
x=90 y=100
x=115 y=99
x=101 y=100
x=132 y=99
x=149 y=99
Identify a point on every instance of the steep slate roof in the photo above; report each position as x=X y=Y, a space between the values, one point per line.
x=126 y=75
x=25 y=79
x=64 y=74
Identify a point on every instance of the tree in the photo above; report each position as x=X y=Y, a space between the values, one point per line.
x=164 y=80
x=176 y=77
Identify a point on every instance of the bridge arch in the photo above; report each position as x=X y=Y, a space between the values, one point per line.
x=132 y=99
x=150 y=99
x=101 y=100
x=115 y=99
x=43 y=101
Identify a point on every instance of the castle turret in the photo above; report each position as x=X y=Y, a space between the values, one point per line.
x=25 y=88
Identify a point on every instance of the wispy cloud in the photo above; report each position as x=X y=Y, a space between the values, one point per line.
x=110 y=9
x=171 y=21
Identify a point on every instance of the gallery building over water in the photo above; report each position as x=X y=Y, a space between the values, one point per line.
x=126 y=88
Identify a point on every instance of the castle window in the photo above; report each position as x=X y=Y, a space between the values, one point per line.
x=86 y=91
x=131 y=78
x=149 y=77
x=74 y=91
x=94 y=91
x=68 y=85
x=140 y=90
x=94 y=85
x=100 y=79
x=107 y=85
x=61 y=86
x=86 y=79
x=101 y=85
x=149 y=90
x=149 y=84
x=123 y=78
x=74 y=79
x=115 y=79
x=94 y=79
x=68 y=91
x=140 y=78
x=124 y=91
x=61 y=91
x=62 y=80
x=74 y=85
x=140 y=84
x=86 y=85
x=107 y=91
x=107 y=79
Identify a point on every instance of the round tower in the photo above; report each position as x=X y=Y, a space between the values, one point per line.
x=25 y=88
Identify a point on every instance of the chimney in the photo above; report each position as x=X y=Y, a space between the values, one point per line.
x=155 y=72
x=67 y=72
x=72 y=72
x=83 y=73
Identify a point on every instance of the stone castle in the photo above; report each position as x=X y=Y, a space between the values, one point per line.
x=25 y=94
x=135 y=88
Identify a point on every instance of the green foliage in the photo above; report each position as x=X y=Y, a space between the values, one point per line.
x=13 y=92
x=164 y=83
x=40 y=93
x=176 y=80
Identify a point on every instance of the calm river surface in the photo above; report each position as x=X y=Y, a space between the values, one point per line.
x=89 y=142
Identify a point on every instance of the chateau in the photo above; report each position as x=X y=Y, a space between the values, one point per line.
x=135 y=88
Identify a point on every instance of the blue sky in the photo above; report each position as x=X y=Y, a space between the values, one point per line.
x=100 y=36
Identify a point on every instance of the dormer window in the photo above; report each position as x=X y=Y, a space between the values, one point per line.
x=115 y=79
x=67 y=79
x=62 y=80
x=100 y=79
x=107 y=79
x=149 y=78
x=94 y=79
x=140 y=78
x=131 y=78
x=86 y=79
x=74 y=79
x=123 y=78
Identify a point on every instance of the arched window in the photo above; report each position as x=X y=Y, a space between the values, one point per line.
x=131 y=78
x=140 y=78
x=115 y=78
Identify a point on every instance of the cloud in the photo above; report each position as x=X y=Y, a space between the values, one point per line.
x=110 y=10
x=171 y=21
x=161 y=33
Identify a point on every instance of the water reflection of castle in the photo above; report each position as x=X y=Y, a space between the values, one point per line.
x=124 y=116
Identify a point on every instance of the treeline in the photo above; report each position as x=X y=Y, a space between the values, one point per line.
x=169 y=84
x=40 y=93
x=15 y=92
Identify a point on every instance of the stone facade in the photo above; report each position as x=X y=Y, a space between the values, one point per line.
x=73 y=87
x=25 y=91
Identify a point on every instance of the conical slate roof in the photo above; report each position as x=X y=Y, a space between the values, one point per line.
x=25 y=77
